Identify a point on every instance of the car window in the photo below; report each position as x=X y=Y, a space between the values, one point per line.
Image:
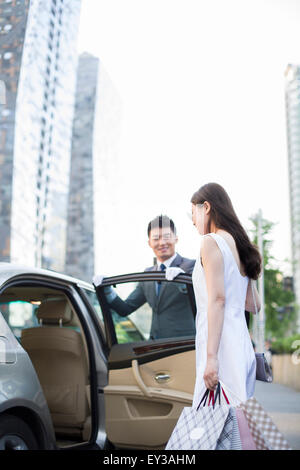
x=140 y=313
x=93 y=299
x=19 y=315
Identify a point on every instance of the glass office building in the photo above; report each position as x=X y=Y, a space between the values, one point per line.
x=38 y=41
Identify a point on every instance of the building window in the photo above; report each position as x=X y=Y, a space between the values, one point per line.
x=7 y=55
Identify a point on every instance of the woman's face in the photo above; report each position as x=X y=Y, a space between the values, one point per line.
x=200 y=217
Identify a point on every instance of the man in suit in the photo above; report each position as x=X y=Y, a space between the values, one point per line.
x=171 y=309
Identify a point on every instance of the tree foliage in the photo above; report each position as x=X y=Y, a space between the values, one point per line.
x=280 y=308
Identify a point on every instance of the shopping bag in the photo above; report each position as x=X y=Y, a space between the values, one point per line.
x=199 y=428
x=247 y=440
x=230 y=438
x=264 y=432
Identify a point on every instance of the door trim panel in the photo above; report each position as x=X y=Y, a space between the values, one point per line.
x=139 y=350
x=122 y=355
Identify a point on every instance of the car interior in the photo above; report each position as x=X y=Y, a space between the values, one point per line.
x=48 y=328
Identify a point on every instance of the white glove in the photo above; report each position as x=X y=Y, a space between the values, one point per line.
x=108 y=291
x=171 y=273
x=97 y=280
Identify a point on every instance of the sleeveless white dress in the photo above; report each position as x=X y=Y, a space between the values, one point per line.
x=237 y=363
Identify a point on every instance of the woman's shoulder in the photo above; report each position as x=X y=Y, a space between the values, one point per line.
x=208 y=243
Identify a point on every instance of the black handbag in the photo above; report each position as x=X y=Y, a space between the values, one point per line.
x=263 y=370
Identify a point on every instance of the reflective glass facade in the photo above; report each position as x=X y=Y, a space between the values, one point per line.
x=41 y=118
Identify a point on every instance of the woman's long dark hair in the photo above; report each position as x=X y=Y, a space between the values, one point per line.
x=225 y=218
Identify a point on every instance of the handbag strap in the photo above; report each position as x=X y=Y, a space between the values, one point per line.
x=254 y=299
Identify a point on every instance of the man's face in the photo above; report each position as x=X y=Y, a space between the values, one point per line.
x=162 y=241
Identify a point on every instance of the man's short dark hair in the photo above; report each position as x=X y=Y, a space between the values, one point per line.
x=161 y=221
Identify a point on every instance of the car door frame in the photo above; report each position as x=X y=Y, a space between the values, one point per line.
x=149 y=350
x=136 y=277
x=94 y=341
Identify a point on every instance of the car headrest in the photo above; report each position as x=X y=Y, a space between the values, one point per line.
x=55 y=312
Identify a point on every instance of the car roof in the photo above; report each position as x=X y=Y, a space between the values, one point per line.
x=10 y=270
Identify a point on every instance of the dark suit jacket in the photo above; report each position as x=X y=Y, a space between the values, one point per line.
x=171 y=311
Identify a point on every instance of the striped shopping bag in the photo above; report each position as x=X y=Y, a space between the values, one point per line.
x=210 y=426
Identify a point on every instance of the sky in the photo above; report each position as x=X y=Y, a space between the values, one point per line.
x=201 y=86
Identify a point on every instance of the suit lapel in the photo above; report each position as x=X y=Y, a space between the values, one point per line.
x=175 y=263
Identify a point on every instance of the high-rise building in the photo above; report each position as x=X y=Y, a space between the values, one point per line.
x=94 y=195
x=292 y=93
x=13 y=21
x=38 y=41
x=80 y=231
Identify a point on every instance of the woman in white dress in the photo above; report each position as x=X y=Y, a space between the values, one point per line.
x=221 y=279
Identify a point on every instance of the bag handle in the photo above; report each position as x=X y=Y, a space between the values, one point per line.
x=213 y=396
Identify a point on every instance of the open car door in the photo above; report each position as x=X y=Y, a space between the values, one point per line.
x=151 y=340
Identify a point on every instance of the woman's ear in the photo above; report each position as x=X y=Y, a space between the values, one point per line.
x=207 y=207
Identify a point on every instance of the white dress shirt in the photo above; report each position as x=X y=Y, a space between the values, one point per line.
x=167 y=263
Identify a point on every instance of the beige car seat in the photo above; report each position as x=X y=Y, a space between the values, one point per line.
x=59 y=357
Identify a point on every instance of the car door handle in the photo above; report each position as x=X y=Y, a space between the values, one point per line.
x=160 y=378
x=138 y=378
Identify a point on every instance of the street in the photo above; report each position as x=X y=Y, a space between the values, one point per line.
x=283 y=405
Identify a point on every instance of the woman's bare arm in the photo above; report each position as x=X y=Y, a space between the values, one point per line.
x=213 y=265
